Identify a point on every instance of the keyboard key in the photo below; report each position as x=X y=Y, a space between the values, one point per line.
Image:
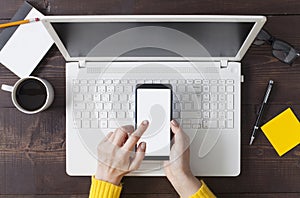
x=114 y=97
x=78 y=97
x=77 y=114
x=124 y=81
x=116 y=106
x=90 y=106
x=78 y=124
x=205 y=81
x=214 y=115
x=102 y=89
x=175 y=114
x=83 y=81
x=181 y=88
x=130 y=114
x=108 y=81
x=230 y=124
x=206 y=88
x=105 y=97
x=94 y=124
x=86 y=114
x=94 y=114
x=128 y=89
x=213 y=124
x=214 y=88
x=198 y=81
x=186 y=126
x=97 y=97
x=123 y=97
x=205 y=97
x=88 y=97
x=99 y=105
x=187 y=106
x=107 y=106
x=214 y=81
x=190 y=114
x=103 y=124
x=116 y=81
x=230 y=101
x=76 y=89
x=222 y=82
x=132 y=81
x=222 y=124
x=222 y=115
x=206 y=106
x=222 y=88
x=214 y=106
x=229 y=88
x=103 y=114
x=189 y=81
x=214 y=97
x=185 y=97
x=173 y=81
x=229 y=81
x=206 y=114
x=112 y=114
x=79 y=105
x=92 y=89
x=86 y=124
x=92 y=81
x=121 y=114
x=230 y=115
x=125 y=106
x=148 y=81
x=110 y=89
x=119 y=88
x=83 y=89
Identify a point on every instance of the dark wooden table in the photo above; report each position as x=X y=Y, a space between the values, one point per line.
x=32 y=147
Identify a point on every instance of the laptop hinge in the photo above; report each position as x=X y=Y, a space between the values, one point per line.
x=224 y=63
x=81 y=63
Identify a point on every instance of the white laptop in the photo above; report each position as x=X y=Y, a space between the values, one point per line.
x=198 y=55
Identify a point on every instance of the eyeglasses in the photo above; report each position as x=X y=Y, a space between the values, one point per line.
x=281 y=50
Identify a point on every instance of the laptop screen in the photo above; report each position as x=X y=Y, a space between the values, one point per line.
x=153 y=39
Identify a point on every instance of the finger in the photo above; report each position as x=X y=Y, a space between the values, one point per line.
x=135 y=136
x=121 y=135
x=107 y=137
x=139 y=156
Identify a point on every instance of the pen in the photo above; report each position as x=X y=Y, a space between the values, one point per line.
x=18 y=22
x=271 y=82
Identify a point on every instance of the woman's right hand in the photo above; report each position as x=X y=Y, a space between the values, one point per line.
x=177 y=169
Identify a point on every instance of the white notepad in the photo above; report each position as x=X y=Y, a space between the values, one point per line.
x=26 y=47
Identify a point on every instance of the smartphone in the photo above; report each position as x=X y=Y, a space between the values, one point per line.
x=153 y=102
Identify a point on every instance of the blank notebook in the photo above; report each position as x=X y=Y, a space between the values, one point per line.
x=283 y=131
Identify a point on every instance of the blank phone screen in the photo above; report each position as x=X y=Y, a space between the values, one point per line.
x=154 y=105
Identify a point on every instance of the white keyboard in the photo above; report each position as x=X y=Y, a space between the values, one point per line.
x=197 y=103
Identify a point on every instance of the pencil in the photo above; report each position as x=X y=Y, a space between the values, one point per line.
x=18 y=22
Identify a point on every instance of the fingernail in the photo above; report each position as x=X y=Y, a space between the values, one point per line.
x=174 y=123
x=143 y=145
x=145 y=122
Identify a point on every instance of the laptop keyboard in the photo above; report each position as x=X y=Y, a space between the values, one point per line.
x=197 y=103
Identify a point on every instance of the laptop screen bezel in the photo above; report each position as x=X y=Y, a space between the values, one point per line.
x=257 y=20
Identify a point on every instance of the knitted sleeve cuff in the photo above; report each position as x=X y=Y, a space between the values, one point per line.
x=102 y=189
x=203 y=192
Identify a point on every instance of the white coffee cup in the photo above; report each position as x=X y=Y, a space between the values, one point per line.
x=31 y=94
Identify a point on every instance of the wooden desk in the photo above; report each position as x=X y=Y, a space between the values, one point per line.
x=32 y=147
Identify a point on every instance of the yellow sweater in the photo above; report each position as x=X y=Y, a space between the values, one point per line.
x=102 y=189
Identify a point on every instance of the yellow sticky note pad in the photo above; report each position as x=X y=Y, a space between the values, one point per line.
x=283 y=131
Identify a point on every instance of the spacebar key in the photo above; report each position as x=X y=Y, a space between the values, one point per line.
x=115 y=123
x=190 y=114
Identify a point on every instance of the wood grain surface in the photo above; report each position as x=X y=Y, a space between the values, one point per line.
x=32 y=147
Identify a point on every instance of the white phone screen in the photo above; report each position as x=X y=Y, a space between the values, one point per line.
x=154 y=105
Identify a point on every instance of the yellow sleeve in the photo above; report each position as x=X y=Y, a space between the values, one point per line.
x=203 y=192
x=102 y=189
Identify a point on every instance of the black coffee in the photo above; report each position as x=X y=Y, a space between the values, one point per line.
x=31 y=94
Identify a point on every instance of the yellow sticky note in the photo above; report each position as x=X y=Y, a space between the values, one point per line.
x=283 y=131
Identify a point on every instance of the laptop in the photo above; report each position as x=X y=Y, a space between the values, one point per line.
x=199 y=55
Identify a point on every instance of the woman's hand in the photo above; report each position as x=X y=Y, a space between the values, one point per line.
x=116 y=156
x=178 y=169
